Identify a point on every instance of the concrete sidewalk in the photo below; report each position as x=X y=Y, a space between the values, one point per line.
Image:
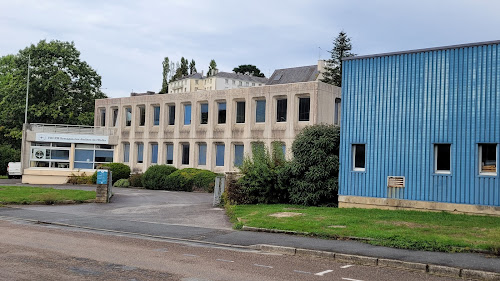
x=457 y=262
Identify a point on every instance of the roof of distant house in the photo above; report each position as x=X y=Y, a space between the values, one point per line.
x=192 y=76
x=294 y=75
x=148 y=93
x=240 y=76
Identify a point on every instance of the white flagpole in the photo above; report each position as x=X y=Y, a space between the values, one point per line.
x=27 y=91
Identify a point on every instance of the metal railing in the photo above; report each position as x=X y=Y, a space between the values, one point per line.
x=70 y=129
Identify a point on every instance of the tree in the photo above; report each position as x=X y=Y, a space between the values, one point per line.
x=192 y=67
x=252 y=69
x=212 y=67
x=62 y=88
x=166 y=72
x=341 y=49
x=184 y=66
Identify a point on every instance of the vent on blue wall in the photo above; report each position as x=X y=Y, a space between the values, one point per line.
x=395 y=182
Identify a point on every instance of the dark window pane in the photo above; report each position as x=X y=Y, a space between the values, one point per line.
x=204 y=113
x=443 y=157
x=171 y=114
x=170 y=154
x=103 y=117
x=185 y=154
x=240 y=112
x=281 y=110
x=142 y=115
x=219 y=157
x=359 y=156
x=304 y=108
x=140 y=153
x=115 y=116
x=103 y=156
x=156 y=117
x=222 y=113
x=488 y=157
x=260 y=111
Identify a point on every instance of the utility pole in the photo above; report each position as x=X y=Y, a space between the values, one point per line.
x=27 y=91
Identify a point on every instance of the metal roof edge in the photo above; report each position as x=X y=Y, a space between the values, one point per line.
x=424 y=50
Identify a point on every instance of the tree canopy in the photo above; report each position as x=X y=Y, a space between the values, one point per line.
x=211 y=67
x=252 y=69
x=341 y=49
x=165 y=76
x=62 y=88
x=192 y=67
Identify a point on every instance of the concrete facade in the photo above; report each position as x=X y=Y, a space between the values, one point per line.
x=214 y=136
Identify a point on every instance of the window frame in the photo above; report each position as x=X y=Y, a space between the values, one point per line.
x=239 y=121
x=142 y=115
x=436 y=154
x=354 y=151
x=126 y=152
x=140 y=152
x=300 y=114
x=152 y=146
x=204 y=115
x=236 y=156
x=185 y=106
x=200 y=145
x=257 y=101
x=217 y=159
x=167 y=145
x=183 y=155
x=171 y=115
x=128 y=116
x=480 y=158
x=156 y=115
x=279 y=101
x=221 y=113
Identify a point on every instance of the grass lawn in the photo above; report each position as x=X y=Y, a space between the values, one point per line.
x=38 y=195
x=4 y=177
x=432 y=231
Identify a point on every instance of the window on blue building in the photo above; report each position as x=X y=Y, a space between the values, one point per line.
x=156 y=115
x=488 y=158
x=219 y=154
x=442 y=158
x=202 y=154
x=260 y=111
x=187 y=114
x=358 y=157
x=154 y=153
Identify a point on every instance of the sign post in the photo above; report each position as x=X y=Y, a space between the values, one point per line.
x=104 y=185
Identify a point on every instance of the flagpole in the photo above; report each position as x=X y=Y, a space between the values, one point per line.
x=27 y=91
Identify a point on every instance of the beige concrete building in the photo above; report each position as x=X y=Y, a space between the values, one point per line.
x=212 y=129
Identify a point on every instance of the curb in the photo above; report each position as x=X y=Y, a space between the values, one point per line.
x=372 y=261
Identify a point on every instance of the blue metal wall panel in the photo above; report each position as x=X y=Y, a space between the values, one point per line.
x=401 y=105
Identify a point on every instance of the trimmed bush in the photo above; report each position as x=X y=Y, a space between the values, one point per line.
x=312 y=176
x=136 y=180
x=190 y=179
x=119 y=170
x=155 y=176
x=122 y=183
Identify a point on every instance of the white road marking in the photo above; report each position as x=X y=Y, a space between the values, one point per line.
x=224 y=260
x=267 y=266
x=346 y=266
x=300 y=271
x=349 y=279
x=323 y=272
x=189 y=255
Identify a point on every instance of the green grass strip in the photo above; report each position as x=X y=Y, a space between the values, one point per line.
x=39 y=195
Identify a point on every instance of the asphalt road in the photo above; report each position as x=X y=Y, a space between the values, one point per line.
x=34 y=252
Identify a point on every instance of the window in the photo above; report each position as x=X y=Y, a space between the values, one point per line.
x=222 y=113
x=128 y=116
x=156 y=115
x=140 y=152
x=142 y=115
x=246 y=84
x=103 y=117
x=336 y=116
x=90 y=156
x=240 y=83
x=304 y=108
x=442 y=158
x=204 y=113
x=196 y=82
x=234 y=82
x=238 y=154
x=253 y=84
x=281 y=110
x=240 y=112
x=170 y=153
x=154 y=153
x=171 y=114
x=187 y=114
x=219 y=154
x=227 y=81
x=50 y=155
x=488 y=158
x=283 y=148
x=202 y=154
x=126 y=152
x=260 y=111
x=358 y=157
x=115 y=116
x=185 y=154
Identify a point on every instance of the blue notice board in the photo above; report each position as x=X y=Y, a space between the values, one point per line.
x=102 y=176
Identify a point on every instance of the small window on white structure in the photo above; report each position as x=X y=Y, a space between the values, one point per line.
x=442 y=158
x=358 y=157
x=488 y=158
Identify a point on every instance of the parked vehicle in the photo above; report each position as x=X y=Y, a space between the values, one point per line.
x=14 y=170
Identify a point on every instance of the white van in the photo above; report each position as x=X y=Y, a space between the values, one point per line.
x=14 y=170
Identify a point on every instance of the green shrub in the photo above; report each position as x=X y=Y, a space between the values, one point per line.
x=119 y=171
x=190 y=179
x=136 y=180
x=204 y=180
x=79 y=179
x=155 y=176
x=312 y=175
x=122 y=183
x=260 y=181
x=176 y=181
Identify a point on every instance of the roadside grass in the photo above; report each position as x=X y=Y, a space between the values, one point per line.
x=416 y=230
x=3 y=177
x=39 y=195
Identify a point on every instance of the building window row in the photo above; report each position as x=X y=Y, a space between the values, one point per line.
x=487 y=158
x=57 y=155
x=281 y=113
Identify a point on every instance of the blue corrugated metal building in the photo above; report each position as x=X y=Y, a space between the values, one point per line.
x=420 y=129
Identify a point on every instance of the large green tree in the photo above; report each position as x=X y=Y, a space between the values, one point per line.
x=341 y=49
x=211 y=67
x=165 y=77
x=62 y=88
x=192 y=67
x=252 y=69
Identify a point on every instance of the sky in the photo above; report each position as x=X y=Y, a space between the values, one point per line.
x=126 y=41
